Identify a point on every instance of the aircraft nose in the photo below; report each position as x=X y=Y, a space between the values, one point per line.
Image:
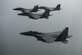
x=23 y=33
x=21 y=14
x=15 y=9
x=26 y=33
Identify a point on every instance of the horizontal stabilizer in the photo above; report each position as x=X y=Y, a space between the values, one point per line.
x=65 y=42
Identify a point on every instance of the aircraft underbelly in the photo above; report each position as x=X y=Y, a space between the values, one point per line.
x=36 y=16
x=27 y=10
x=49 y=39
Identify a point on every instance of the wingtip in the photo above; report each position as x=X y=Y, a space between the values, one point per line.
x=14 y=9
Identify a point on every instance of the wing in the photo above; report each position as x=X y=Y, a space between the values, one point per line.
x=54 y=34
x=27 y=10
x=48 y=39
x=35 y=16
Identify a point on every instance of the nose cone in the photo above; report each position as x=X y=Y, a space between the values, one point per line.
x=27 y=33
x=24 y=33
x=17 y=8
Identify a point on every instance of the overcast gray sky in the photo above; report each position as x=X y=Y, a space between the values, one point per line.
x=11 y=25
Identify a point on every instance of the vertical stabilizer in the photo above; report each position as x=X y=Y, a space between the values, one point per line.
x=63 y=36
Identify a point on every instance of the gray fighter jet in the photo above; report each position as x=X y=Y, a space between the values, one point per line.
x=35 y=9
x=36 y=16
x=51 y=37
x=57 y=8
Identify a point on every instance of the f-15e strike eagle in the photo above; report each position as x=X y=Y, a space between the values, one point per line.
x=51 y=9
x=35 y=16
x=31 y=13
x=60 y=36
x=35 y=9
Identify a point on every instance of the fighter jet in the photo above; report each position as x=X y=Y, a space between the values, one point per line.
x=36 y=16
x=50 y=37
x=35 y=9
x=51 y=9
